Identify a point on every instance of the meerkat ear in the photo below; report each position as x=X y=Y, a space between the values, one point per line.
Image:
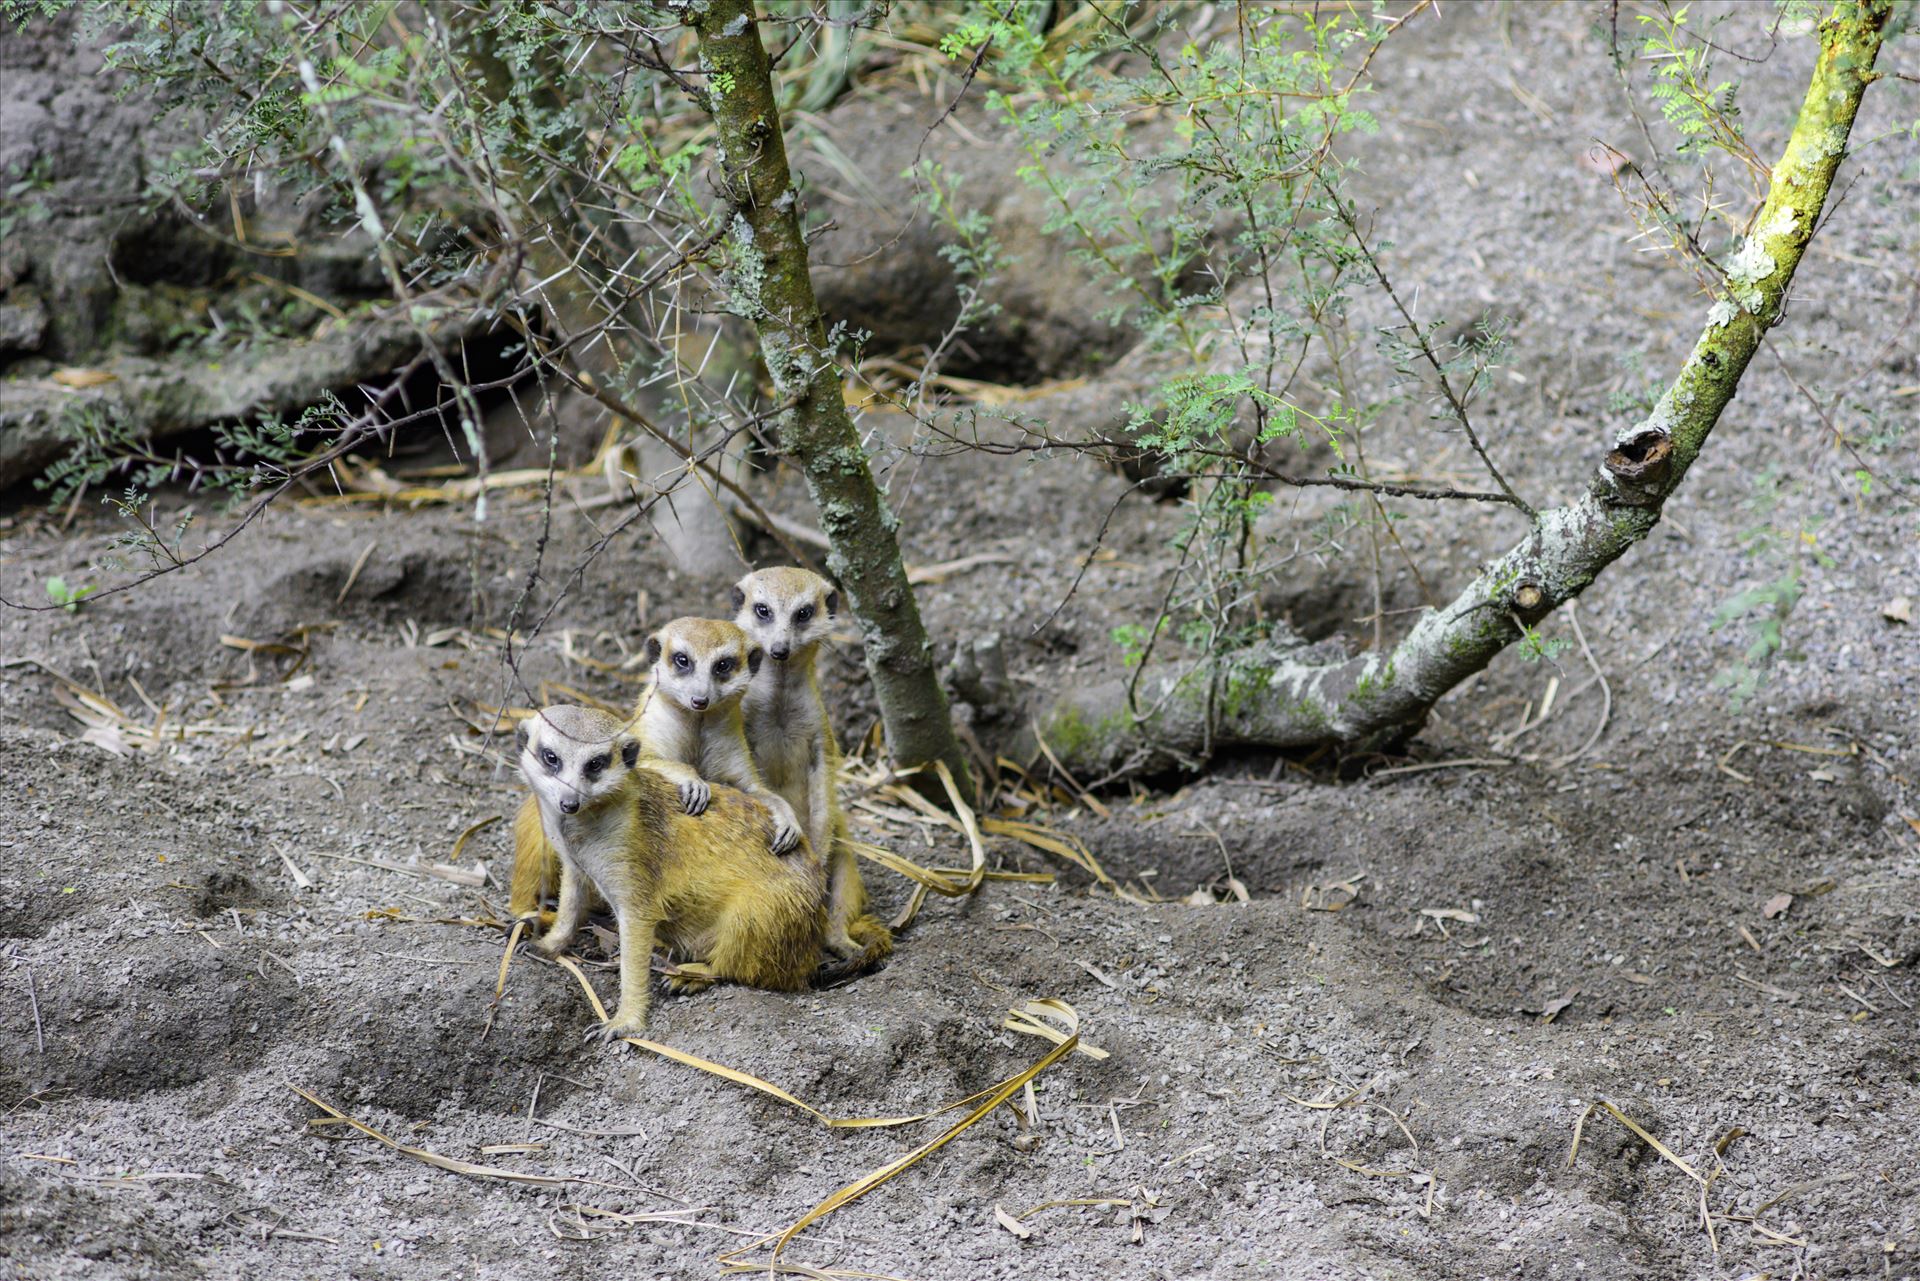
x=523 y=734
x=629 y=750
x=833 y=603
x=754 y=656
x=653 y=648
x=739 y=597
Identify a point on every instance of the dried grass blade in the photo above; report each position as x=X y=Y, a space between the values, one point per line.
x=1048 y=841
x=467 y=835
x=1004 y=1091
x=1030 y=1020
x=549 y=688
x=1087 y=1201
x=1087 y=798
x=751 y=1081
x=506 y=959
x=467 y=1168
x=1655 y=1144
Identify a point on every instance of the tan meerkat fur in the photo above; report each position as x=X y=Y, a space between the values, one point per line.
x=710 y=888
x=788 y=612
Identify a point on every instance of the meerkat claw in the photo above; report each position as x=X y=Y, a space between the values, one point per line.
x=612 y=1032
x=694 y=797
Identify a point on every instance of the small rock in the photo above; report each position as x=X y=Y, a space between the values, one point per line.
x=23 y=322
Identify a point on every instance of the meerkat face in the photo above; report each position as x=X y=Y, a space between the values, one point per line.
x=786 y=610
x=573 y=757
x=702 y=663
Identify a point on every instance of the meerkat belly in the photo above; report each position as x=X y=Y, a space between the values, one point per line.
x=785 y=761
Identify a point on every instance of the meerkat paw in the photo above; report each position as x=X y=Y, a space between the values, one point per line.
x=841 y=944
x=694 y=796
x=689 y=977
x=786 y=836
x=551 y=947
x=620 y=1025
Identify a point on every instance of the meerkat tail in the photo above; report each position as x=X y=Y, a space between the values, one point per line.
x=536 y=868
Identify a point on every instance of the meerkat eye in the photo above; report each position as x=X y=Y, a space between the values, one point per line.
x=723 y=666
x=761 y=612
x=595 y=765
x=803 y=614
x=549 y=758
x=682 y=662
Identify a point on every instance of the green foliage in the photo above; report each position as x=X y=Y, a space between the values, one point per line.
x=1782 y=553
x=23 y=205
x=1705 y=114
x=105 y=450
x=68 y=597
x=1215 y=239
x=1535 y=648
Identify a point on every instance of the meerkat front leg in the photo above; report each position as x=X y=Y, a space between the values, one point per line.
x=786 y=824
x=636 y=978
x=694 y=791
x=570 y=913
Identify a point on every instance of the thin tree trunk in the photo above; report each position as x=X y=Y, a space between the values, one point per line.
x=1274 y=698
x=771 y=286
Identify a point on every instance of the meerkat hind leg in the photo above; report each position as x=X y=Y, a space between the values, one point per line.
x=768 y=940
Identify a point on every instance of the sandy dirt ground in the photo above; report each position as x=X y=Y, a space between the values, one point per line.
x=1352 y=1075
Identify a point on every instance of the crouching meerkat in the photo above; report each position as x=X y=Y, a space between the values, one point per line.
x=710 y=888
x=787 y=613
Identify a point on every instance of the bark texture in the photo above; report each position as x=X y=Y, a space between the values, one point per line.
x=771 y=286
x=1276 y=698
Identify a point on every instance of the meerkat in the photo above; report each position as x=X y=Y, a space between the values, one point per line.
x=710 y=888
x=689 y=723
x=689 y=728
x=787 y=612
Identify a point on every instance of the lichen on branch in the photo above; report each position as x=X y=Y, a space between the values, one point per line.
x=1276 y=697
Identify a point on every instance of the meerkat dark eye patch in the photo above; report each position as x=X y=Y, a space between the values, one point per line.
x=595 y=765
x=803 y=614
x=762 y=612
x=682 y=662
x=723 y=667
x=550 y=758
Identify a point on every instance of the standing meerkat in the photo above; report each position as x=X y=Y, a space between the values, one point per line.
x=689 y=723
x=787 y=612
x=710 y=888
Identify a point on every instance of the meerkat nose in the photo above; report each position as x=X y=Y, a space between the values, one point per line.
x=699 y=704
x=779 y=653
x=570 y=806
